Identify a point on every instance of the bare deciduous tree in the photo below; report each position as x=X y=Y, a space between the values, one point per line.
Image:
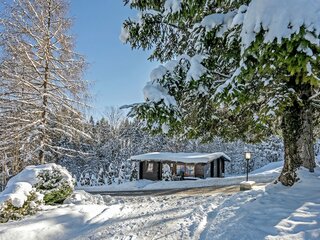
x=42 y=90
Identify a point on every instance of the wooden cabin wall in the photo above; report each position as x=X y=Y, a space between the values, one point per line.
x=154 y=175
x=199 y=170
x=202 y=170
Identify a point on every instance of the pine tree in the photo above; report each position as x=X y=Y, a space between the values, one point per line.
x=122 y=174
x=134 y=172
x=101 y=177
x=225 y=74
x=109 y=179
x=111 y=173
x=93 y=180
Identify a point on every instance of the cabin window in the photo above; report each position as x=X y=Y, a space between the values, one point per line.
x=190 y=170
x=180 y=169
x=150 y=167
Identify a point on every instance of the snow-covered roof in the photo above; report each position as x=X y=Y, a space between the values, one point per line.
x=181 y=157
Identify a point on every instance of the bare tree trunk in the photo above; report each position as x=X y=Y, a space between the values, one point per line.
x=297 y=131
x=45 y=86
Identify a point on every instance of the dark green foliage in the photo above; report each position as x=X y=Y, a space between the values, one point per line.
x=57 y=196
x=54 y=186
x=10 y=212
x=251 y=104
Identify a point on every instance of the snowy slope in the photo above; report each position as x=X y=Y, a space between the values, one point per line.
x=276 y=212
x=267 y=212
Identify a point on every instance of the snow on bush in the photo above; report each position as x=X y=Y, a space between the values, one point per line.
x=134 y=172
x=56 y=184
x=122 y=174
x=18 y=206
x=24 y=193
x=81 y=197
x=166 y=172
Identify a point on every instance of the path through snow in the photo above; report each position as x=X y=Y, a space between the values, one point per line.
x=267 y=212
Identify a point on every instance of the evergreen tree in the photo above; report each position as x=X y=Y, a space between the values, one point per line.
x=134 y=172
x=231 y=70
x=122 y=174
x=109 y=179
x=101 y=177
x=111 y=173
x=93 y=180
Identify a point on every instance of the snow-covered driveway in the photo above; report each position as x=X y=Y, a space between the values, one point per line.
x=179 y=216
x=162 y=217
x=267 y=212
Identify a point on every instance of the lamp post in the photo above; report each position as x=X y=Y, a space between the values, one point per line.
x=247 y=156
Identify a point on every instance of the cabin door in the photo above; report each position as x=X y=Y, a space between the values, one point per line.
x=141 y=170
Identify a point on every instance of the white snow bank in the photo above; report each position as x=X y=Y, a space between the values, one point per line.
x=271 y=167
x=80 y=197
x=57 y=223
x=280 y=19
x=180 y=157
x=274 y=212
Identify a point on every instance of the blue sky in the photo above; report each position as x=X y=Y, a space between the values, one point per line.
x=118 y=73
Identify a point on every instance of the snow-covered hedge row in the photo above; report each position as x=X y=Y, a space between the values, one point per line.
x=35 y=185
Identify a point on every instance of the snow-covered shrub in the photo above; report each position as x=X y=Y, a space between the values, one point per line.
x=25 y=192
x=111 y=173
x=101 y=177
x=93 y=180
x=54 y=184
x=15 y=209
x=109 y=179
x=84 y=180
x=122 y=174
x=134 y=172
x=166 y=172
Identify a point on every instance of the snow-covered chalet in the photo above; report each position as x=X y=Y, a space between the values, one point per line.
x=188 y=165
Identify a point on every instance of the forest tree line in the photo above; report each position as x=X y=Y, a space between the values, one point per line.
x=115 y=137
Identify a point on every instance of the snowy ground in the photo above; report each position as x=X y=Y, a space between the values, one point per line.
x=262 y=175
x=267 y=212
